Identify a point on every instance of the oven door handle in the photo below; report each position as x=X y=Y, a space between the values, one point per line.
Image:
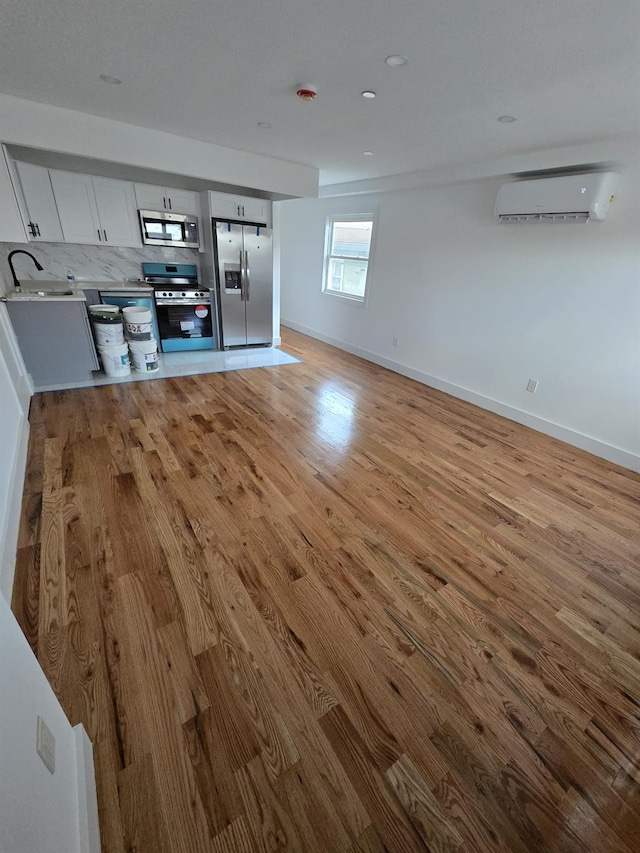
x=247 y=277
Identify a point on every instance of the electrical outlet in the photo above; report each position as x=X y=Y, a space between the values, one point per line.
x=396 y=342
x=46 y=745
x=532 y=385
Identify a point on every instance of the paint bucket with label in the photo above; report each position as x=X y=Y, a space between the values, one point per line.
x=115 y=359
x=107 y=324
x=144 y=355
x=138 y=323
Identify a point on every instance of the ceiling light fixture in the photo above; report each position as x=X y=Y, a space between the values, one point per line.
x=368 y=94
x=506 y=119
x=396 y=60
x=106 y=78
x=264 y=124
x=368 y=153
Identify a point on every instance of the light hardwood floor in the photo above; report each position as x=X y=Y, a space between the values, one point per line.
x=322 y=607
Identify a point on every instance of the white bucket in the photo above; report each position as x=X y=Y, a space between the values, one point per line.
x=144 y=355
x=115 y=359
x=138 y=323
x=103 y=309
x=108 y=334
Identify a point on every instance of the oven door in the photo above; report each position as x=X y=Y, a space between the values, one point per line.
x=169 y=229
x=184 y=326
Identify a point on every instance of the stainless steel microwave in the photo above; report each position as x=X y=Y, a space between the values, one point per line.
x=169 y=229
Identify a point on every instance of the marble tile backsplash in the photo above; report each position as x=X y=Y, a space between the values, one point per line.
x=87 y=263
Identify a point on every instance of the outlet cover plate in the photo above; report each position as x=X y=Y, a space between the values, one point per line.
x=532 y=385
x=46 y=745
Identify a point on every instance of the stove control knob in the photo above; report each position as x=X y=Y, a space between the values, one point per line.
x=164 y=294
x=183 y=293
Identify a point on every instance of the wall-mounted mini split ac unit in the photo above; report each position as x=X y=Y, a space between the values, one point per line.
x=563 y=198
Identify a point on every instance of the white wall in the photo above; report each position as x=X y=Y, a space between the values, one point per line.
x=39 y=812
x=56 y=129
x=481 y=307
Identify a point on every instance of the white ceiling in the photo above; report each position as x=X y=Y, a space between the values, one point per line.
x=569 y=70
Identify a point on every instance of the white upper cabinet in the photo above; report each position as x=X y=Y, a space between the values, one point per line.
x=116 y=203
x=96 y=210
x=241 y=208
x=149 y=197
x=40 y=212
x=77 y=207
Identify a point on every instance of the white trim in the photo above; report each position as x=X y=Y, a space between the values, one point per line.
x=11 y=520
x=88 y=826
x=577 y=439
x=277 y=341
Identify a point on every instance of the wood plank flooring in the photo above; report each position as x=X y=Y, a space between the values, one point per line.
x=322 y=607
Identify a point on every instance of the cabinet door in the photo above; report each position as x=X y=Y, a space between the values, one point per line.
x=183 y=201
x=55 y=340
x=150 y=197
x=254 y=209
x=116 y=204
x=43 y=222
x=224 y=206
x=76 y=203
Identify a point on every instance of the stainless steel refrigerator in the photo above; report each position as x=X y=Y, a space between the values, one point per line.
x=244 y=283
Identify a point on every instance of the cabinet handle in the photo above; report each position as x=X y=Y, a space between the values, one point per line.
x=243 y=209
x=105 y=235
x=238 y=207
x=164 y=201
x=169 y=204
x=38 y=229
x=99 y=236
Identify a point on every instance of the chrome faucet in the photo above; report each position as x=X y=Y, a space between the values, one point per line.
x=16 y=283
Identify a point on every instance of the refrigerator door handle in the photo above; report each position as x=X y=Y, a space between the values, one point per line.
x=247 y=277
x=242 y=297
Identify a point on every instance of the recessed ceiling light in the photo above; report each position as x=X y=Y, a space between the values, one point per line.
x=106 y=78
x=368 y=94
x=396 y=60
x=368 y=153
x=264 y=124
x=506 y=119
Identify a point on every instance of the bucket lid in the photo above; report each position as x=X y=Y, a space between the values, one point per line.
x=106 y=319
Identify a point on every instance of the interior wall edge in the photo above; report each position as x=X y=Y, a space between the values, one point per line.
x=88 y=825
x=592 y=445
x=12 y=514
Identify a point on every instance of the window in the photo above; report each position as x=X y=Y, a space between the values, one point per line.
x=348 y=246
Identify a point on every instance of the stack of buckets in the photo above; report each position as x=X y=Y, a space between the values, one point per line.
x=110 y=342
x=117 y=354
x=142 y=345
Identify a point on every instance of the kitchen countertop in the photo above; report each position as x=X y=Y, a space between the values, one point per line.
x=28 y=289
x=28 y=292
x=110 y=286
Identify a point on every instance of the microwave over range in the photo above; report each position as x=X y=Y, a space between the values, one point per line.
x=160 y=228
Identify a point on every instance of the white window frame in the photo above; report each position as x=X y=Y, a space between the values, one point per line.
x=328 y=239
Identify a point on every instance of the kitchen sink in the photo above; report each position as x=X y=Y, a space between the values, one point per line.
x=54 y=292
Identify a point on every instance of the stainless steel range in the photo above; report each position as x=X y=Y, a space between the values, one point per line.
x=183 y=307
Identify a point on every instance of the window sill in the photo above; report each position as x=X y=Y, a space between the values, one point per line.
x=342 y=297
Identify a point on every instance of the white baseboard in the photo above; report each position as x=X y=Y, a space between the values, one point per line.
x=570 y=436
x=12 y=515
x=88 y=826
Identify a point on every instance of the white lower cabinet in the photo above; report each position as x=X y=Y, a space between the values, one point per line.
x=96 y=210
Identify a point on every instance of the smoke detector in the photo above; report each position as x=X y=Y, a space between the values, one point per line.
x=307 y=91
